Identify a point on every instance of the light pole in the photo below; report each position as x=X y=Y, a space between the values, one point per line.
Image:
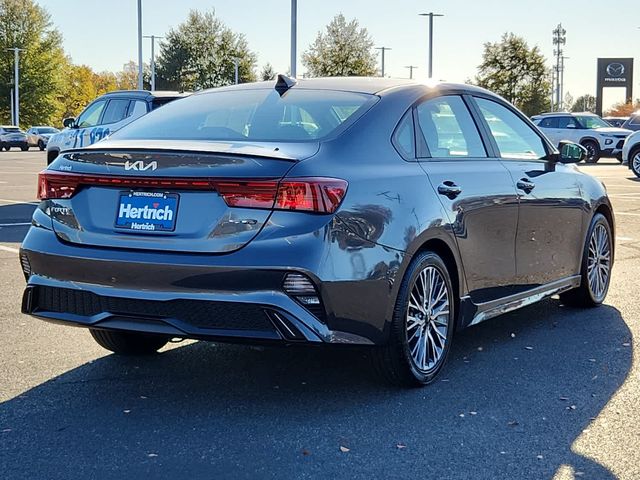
x=236 y=63
x=294 y=29
x=562 y=59
x=382 y=49
x=16 y=76
x=431 y=15
x=153 y=60
x=140 y=84
x=411 y=69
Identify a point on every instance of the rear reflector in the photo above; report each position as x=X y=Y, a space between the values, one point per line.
x=315 y=194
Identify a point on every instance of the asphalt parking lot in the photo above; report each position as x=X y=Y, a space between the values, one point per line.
x=546 y=392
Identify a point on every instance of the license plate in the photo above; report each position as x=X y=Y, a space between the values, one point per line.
x=147 y=211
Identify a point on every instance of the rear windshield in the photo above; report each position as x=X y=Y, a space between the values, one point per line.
x=48 y=130
x=11 y=129
x=257 y=115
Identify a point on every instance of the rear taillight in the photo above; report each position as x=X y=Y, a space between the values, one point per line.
x=315 y=194
x=320 y=195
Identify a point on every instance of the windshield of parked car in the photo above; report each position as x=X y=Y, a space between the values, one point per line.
x=256 y=115
x=48 y=130
x=11 y=129
x=591 y=121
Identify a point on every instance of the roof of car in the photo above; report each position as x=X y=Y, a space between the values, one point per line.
x=368 y=85
x=9 y=126
x=146 y=94
x=549 y=114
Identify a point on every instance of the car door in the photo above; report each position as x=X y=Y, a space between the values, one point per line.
x=550 y=220
x=476 y=191
x=568 y=129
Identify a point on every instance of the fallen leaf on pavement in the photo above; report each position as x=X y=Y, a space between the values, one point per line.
x=400 y=446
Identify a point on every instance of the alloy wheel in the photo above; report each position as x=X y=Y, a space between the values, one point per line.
x=599 y=262
x=635 y=163
x=427 y=321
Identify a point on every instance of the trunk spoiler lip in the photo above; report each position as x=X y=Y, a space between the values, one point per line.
x=289 y=151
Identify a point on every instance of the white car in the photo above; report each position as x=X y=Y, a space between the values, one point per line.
x=105 y=115
x=631 y=152
x=589 y=130
x=39 y=136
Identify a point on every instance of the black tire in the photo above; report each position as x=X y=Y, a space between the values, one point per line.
x=583 y=296
x=619 y=157
x=41 y=145
x=24 y=149
x=6 y=148
x=51 y=156
x=394 y=361
x=129 y=343
x=593 y=151
x=634 y=161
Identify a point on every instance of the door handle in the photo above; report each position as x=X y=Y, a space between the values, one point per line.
x=526 y=185
x=449 y=190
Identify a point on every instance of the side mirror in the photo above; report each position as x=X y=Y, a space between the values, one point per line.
x=571 y=152
x=69 y=122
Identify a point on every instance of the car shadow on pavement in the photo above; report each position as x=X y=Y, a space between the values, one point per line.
x=517 y=392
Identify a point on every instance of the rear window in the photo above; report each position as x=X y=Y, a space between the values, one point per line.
x=257 y=115
x=11 y=129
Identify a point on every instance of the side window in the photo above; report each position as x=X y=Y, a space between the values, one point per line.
x=567 y=122
x=549 y=122
x=403 y=137
x=448 y=128
x=90 y=117
x=116 y=111
x=515 y=139
x=137 y=109
x=635 y=120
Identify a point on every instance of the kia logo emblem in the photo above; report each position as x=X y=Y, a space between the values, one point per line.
x=615 y=69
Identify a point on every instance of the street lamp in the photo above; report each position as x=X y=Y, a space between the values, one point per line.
x=16 y=76
x=153 y=60
x=431 y=15
x=140 y=84
x=383 y=49
x=294 y=28
x=411 y=69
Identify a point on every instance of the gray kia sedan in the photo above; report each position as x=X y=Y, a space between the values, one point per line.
x=343 y=211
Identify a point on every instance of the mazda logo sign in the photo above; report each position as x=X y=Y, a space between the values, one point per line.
x=615 y=69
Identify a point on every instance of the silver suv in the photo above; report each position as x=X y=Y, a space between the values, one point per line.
x=589 y=130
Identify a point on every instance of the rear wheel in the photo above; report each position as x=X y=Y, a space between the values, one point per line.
x=597 y=260
x=41 y=145
x=129 y=343
x=422 y=326
x=593 y=151
x=634 y=161
x=24 y=149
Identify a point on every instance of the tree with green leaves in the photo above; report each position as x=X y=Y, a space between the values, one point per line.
x=268 y=73
x=584 y=103
x=343 y=50
x=26 y=25
x=201 y=52
x=516 y=72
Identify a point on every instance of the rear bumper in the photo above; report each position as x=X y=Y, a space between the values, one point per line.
x=236 y=297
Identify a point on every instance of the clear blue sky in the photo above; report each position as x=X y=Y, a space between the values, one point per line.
x=102 y=34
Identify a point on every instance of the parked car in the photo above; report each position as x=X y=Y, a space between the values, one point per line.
x=616 y=121
x=589 y=130
x=39 y=136
x=105 y=115
x=12 y=136
x=360 y=211
x=633 y=122
x=631 y=152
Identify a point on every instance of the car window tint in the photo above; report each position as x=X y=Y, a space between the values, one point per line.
x=449 y=129
x=116 y=111
x=258 y=115
x=403 y=137
x=567 y=122
x=137 y=109
x=90 y=117
x=550 y=122
x=515 y=139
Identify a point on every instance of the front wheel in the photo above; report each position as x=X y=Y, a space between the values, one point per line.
x=422 y=326
x=129 y=343
x=634 y=161
x=593 y=151
x=41 y=145
x=24 y=149
x=597 y=260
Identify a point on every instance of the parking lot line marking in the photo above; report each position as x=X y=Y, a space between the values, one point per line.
x=624 y=239
x=9 y=249
x=14 y=224
x=628 y=213
x=18 y=202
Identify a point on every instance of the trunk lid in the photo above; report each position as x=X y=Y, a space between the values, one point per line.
x=154 y=199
